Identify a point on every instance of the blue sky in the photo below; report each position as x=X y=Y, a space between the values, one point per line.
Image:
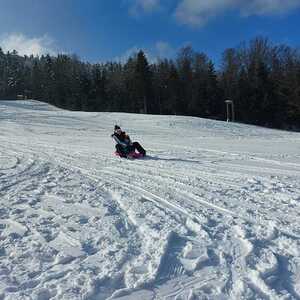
x=98 y=30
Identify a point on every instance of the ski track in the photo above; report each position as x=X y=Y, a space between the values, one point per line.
x=75 y=224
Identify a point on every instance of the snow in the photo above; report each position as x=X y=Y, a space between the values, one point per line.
x=213 y=212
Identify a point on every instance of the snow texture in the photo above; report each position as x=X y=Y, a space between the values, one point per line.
x=213 y=211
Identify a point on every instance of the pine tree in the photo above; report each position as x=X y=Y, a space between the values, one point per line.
x=142 y=83
x=184 y=62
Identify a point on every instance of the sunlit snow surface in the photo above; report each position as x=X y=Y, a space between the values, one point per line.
x=212 y=213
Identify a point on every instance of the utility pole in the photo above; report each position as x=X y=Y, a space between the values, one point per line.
x=230 y=111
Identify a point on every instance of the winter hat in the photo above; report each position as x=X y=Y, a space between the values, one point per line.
x=117 y=127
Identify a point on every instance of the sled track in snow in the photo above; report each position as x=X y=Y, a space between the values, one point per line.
x=189 y=193
x=34 y=177
x=120 y=183
x=183 y=202
x=145 y=192
x=98 y=175
x=193 y=198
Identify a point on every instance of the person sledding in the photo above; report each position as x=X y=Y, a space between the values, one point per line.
x=124 y=146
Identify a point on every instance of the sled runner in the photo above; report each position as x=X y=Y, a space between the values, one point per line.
x=131 y=155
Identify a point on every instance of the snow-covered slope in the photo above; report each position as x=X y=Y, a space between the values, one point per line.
x=212 y=213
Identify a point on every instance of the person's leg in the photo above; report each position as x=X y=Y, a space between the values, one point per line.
x=139 y=148
x=120 y=150
x=130 y=148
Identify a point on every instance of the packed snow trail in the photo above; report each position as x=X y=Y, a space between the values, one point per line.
x=212 y=213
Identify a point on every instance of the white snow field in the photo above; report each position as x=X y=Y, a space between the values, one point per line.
x=213 y=212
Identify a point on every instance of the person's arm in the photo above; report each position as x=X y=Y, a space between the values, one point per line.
x=118 y=141
x=129 y=140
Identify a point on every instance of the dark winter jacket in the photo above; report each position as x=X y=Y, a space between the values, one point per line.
x=123 y=139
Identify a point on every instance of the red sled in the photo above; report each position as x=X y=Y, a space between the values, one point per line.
x=131 y=155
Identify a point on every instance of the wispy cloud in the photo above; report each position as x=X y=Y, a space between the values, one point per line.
x=26 y=46
x=164 y=50
x=269 y=7
x=143 y=6
x=197 y=13
x=127 y=54
x=159 y=50
x=150 y=54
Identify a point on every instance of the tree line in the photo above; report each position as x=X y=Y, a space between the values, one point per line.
x=262 y=79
